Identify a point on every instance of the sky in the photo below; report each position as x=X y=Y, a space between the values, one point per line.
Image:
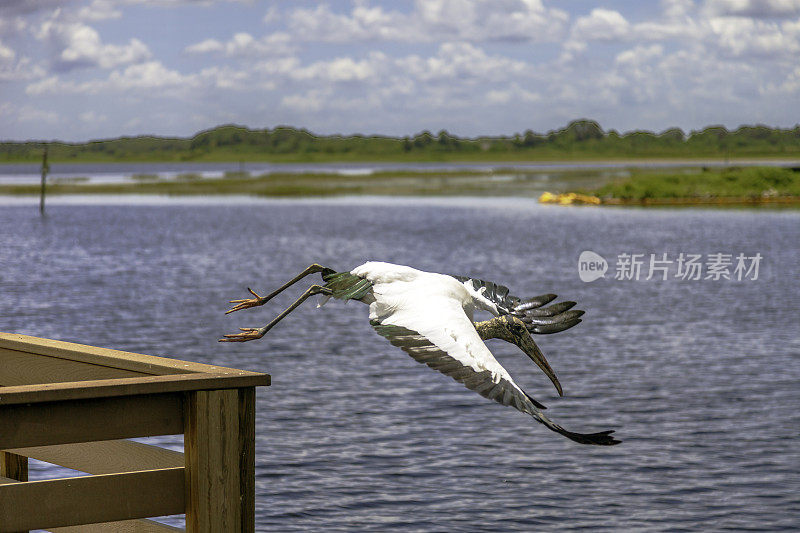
x=93 y=69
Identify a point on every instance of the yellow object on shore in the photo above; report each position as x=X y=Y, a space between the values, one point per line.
x=569 y=198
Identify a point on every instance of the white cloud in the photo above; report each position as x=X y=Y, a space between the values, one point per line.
x=790 y=85
x=29 y=113
x=745 y=36
x=79 y=45
x=227 y=78
x=272 y=15
x=514 y=93
x=44 y=86
x=244 y=44
x=432 y=20
x=601 y=25
x=754 y=8
x=639 y=55
x=461 y=62
x=134 y=78
x=637 y=74
x=363 y=23
x=149 y=75
x=677 y=9
x=491 y=20
x=206 y=46
x=15 y=68
x=24 y=7
x=100 y=10
x=92 y=117
x=341 y=69
x=311 y=101
x=7 y=55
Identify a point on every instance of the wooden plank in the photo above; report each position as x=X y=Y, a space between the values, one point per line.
x=13 y=466
x=51 y=392
x=148 y=364
x=23 y=368
x=124 y=526
x=91 y=499
x=247 y=458
x=6 y=480
x=211 y=445
x=105 y=457
x=42 y=424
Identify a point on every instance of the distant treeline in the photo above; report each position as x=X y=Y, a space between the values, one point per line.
x=580 y=139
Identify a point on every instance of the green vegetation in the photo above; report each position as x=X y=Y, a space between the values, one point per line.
x=461 y=182
x=725 y=185
x=144 y=177
x=680 y=186
x=579 y=140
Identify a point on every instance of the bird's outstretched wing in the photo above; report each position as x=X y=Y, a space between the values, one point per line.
x=445 y=340
x=538 y=319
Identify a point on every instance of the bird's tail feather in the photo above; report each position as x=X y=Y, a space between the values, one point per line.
x=602 y=438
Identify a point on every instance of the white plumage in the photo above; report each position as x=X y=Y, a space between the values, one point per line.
x=436 y=306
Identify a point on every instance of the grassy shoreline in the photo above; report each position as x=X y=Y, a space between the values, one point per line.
x=391 y=182
x=746 y=186
x=555 y=157
x=685 y=186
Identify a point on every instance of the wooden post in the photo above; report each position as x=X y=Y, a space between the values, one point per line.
x=13 y=466
x=213 y=462
x=247 y=457
x=45 y=170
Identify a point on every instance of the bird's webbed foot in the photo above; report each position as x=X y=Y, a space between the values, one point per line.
x=246 y=334
x=249 y=334
x=246 y=303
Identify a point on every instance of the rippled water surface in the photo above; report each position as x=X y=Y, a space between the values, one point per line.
x=701 y=379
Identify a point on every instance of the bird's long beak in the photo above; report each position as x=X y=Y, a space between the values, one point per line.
x=527 y=345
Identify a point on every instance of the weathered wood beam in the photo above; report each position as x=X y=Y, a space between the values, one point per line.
x=42 y=424
x=105 y=457
x=108 y=388
x=91 y=499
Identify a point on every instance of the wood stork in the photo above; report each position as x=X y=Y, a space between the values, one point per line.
x=429 y=316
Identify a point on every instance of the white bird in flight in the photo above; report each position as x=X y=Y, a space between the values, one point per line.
x=430 y=317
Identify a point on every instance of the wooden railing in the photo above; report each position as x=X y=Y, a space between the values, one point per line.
x=75 y=406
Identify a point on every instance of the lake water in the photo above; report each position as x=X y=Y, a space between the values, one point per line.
x=701 y=378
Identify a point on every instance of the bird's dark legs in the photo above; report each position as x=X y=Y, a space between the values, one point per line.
x=261 y=300
x=249 y=334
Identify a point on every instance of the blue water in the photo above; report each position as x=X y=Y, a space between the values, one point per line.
x=701 y=379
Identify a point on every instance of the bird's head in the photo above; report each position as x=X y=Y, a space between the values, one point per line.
x=512 y=329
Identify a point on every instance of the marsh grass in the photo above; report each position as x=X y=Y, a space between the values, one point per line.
x=399 y=182
x=144 y=177
x=704 y=183
x=684 y=185
x=188 y=176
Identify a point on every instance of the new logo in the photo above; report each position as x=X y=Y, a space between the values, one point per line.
x=591 y=266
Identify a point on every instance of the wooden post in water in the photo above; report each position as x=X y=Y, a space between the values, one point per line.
x=45 y=170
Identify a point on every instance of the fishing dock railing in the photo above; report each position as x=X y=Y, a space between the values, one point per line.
x=76 y=406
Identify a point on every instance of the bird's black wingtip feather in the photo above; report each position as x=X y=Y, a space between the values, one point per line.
x=602 y=438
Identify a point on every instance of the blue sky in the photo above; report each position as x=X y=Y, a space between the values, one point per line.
x=80 y=70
